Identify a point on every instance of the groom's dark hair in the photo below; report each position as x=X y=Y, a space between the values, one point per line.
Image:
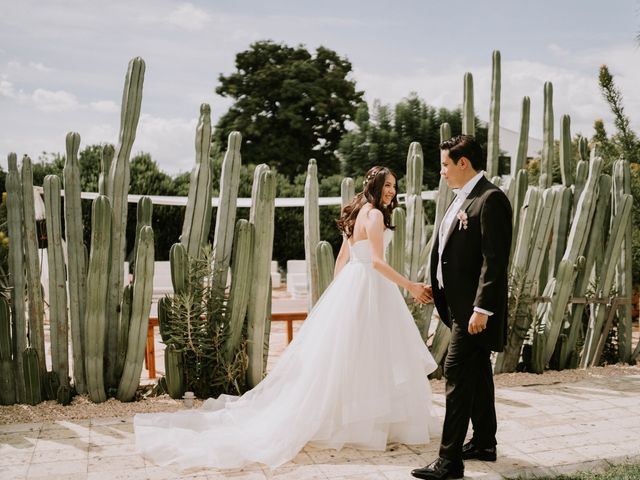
x=464 y=146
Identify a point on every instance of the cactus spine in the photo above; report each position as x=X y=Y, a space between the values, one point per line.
x=546 y=164
x=7 y=377
x=468 y=115
x=76 y=267
x=326 y=263
x=226 y=213
x=97 y=285
x=197 y=217
x=493 y=146
x=523 y=141
x=58 y=321
x=258 y=316
x=140 y=307
x=311 y=230
x=34 y=287
x=16 y=271
x=117 y=189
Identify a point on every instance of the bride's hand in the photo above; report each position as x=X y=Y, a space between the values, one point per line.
x=419 y=292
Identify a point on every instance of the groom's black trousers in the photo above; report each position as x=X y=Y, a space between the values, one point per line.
x=469 y=394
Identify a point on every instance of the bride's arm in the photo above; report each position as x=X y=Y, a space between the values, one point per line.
x=375 y=232
x=343 y=257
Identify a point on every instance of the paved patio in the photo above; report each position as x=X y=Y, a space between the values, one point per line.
x=542 y=429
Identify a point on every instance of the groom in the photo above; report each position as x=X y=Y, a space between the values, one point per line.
x=469 y=263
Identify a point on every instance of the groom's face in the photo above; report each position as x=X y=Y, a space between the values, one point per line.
x=453 y=173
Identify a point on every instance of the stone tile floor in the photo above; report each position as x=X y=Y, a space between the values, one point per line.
x=542 y=429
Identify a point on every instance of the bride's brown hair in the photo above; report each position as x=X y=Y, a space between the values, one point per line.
x=372 y=192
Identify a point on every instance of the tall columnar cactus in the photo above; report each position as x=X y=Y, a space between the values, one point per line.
x=123 y=328
x=396 y=249
x=34 y=287
x=566 y=157
x=519 y=186
x=546 y=164
x=347 y=191
x=241 y=273
x=583 y=148
x=622 y=187
x=144 y=218
x=493 y=145
x=258 y=314
x=415 y=212
x=613 y=252
x=523 y=141
x=226 y=213
x=76 y=267
x=117 y=189
x=568 y=354
x=140 y=308
x=179 y=261
x=58 y=321
x=7 y=377
x=97 y=285
x=326 y=264
x=32 y=377
x=562 y=217
x=173 y=367
x=582 y=172
x=468 y=114
x=311 y=230
x=197 y=216
x=106 y=159
x=16 y=271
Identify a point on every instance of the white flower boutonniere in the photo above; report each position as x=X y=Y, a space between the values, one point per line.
x=462 y=220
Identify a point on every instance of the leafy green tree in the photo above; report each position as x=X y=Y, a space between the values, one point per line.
x=383 y=137
x=290 y=106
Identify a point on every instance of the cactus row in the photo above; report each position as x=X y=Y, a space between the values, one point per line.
x=311 y=230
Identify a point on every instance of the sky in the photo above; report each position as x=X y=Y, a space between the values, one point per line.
x=63 y=62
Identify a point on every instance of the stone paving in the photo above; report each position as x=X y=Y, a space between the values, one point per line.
x=543 y=429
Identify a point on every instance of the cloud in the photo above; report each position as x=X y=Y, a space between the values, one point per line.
x=58 y=101
x=6 y=88
x=40 y=67
x=188 y=17
x=106 y=106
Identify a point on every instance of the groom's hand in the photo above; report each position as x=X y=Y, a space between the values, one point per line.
x=477 y=323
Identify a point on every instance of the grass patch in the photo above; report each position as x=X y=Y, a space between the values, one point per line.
x=615 y=472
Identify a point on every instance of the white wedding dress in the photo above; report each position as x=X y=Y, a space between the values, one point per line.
x=355 y=374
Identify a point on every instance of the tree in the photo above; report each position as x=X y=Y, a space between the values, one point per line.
x=289 y=105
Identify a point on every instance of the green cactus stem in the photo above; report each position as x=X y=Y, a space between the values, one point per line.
x=173 y=371
x=347 y=191
x=326 y=264
x=561 y=219
x=58 y=320
x=523 y=141
x=97 y=285
x=50 y=385
x=32 y=378
x=140 y=308
x=16 y=272
x=64 y=395
x=123 y=329
x=396 y=249
x=566 y=157
x=468 y=114
x=179 y=261
x=106 y=159
x=7 y=377
x=241 y=273
x=32 y=260
x=493 y=145
x=76 y=266
x=197 y=217
x=226 y=212
x=311 y=230
x=546 y=164
x=259 y=320
x=117 y=189
x=415 y=212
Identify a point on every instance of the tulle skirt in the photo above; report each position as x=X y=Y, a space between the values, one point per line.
x=354 y=375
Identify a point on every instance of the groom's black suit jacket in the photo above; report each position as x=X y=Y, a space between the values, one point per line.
x=475 y=265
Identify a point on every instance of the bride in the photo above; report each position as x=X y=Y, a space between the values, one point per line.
x=354 y=375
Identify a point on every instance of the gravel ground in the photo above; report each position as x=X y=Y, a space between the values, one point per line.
x=82 y=408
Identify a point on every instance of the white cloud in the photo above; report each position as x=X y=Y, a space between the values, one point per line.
x=40 y=67
x=106 y=106
x=6 y=88
x=49 y=101
x=189 y=17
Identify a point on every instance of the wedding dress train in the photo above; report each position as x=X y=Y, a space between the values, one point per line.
x=355 y=374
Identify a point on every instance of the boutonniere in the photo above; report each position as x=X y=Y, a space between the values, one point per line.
x=463 y=220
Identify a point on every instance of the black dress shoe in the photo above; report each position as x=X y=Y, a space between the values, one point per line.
x=441 y=469
x=470 y=452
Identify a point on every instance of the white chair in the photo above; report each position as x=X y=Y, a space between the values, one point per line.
x=161 y=280
x=276 y=279
x=297 y=278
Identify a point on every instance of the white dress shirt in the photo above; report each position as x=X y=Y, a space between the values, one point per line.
x=445 y=226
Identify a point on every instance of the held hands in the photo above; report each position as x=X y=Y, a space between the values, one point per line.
x=421 y=292
x=477 y=323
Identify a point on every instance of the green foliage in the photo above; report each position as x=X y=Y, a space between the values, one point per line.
x=197 y=329
x=290 y=105
x=383 y=136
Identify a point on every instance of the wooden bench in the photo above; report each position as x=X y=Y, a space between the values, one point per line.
x=150 y=351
